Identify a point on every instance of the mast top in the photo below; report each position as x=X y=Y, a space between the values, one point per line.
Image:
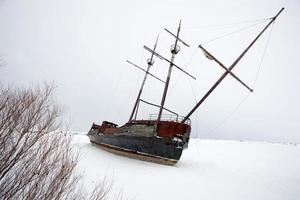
x=175 y=48
x=273 y=18
x=150 y=60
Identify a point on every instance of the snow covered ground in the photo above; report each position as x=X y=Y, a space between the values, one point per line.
x=208 y=169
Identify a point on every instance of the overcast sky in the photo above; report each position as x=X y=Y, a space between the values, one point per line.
x=82 y=46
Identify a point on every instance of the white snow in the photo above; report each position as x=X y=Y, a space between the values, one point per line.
x=208 y=169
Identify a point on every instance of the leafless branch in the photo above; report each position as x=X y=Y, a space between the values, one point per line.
x=36 y=160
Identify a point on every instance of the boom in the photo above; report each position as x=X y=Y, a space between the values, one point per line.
x=230 y=68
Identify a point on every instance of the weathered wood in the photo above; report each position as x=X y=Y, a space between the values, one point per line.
x=165 y=59
x=223 y=66
x=152 y=104
x=177 y=38
x=145 y=71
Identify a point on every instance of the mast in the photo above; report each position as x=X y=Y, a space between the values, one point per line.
x=228 y=71
x=174 y=50
x=150 y=62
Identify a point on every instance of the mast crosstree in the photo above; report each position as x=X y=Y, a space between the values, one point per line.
x=228 y=71
x=174 y=50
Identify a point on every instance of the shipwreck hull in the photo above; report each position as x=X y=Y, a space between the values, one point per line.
x=153 y=149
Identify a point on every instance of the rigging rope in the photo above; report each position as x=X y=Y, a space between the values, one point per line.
x=246 y=97
x=113 y=91
x=193 y=55
x=228 y=116
x=263 y=55
x=214 y=39
x=186 y=67
x=129 y=96
x=219 y=37
x=230 y=33
x=222 y=25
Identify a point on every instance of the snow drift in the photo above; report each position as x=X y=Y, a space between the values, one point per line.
x=209 y=169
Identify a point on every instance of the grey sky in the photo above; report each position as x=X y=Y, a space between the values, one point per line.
x=83 y=46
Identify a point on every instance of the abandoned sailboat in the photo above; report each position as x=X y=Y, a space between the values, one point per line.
x=161 y=138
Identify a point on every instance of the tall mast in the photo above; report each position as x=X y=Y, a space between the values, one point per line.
x=228 y=71
x=150 y=62
x=174 y=50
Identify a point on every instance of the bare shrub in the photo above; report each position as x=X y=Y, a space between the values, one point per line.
x=37 y=161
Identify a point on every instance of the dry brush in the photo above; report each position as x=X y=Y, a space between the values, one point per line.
x=37 y=161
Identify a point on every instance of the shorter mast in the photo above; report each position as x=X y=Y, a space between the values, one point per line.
x=150 y=62
x=228 y=71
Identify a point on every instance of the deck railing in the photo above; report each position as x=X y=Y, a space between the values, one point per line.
x=169 y=117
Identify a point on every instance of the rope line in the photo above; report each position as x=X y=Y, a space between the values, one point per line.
x=114 y=91
x=222 y=25
x=246 y=97
x=129 y=96
x=233 y=32
x=193 y=55
x=263 y=56
x=228 y=116
x=186 y=67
